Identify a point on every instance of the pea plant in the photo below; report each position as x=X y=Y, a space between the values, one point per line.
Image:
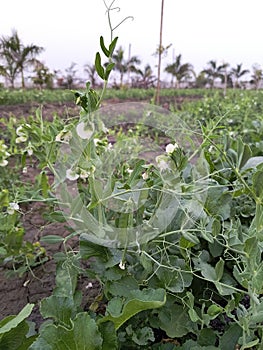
x=169 y=221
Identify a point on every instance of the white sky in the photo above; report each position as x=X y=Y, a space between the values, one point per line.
x=200 y=30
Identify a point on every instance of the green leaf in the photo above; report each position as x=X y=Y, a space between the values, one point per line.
x=142 y=336
x=243 y=153
x=99 y=67
x=218 y=202
x=83 y=334
x=52 y=239
x=207 y=337
x=208 y=271
x=185 y=244
x=123 y=286
x=257 y=181
x=145 y=299
x=193 y=315
x=44 y=184
x=175 y=321
x=103 y=47
x=109 y=68
x=89 y=249
x=16 y=338
x=4 y=198
x=214 y=310
x=55 y=216
x=66 y=276
x=15 y=320
x=61 y=309
x=110 y=341
x=175 y=281
x=219 y=269
x=113 y=45
x=250 y=344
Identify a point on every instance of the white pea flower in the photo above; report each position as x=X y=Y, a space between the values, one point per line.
x=71 y=175
x=109 y=147
x=13 y=206
x=64 y=136
x=3 y=154
x=21 y=133
x=24 y=171
x=83 y=132
x=170 y=148
x=21 y=139
x=4 y=162
x=162 y=163
x=84 y=174
x=29 y=149
x=89 y=285
x=122 y=265
x=145 y=176
x=210 y=149
x=96 y=141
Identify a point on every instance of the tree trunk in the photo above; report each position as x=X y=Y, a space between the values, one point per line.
x=157 y=95
x=22 y=79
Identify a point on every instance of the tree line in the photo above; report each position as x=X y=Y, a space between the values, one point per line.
x=16 y=59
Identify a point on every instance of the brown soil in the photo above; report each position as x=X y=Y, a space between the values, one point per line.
x=37 y=284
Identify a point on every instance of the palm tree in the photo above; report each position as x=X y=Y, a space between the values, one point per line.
x=180 y=71
x=213 y=71
x=237 y=73
x=42 y=77
x=124 y=66
x=16 y=57
x=90 y=69
x=257 y=75
x=146 y=77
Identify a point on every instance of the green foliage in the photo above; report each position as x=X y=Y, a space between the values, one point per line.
x=15 y=331
x=175 y=243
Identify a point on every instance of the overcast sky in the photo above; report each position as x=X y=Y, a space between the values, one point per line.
x=200 y=30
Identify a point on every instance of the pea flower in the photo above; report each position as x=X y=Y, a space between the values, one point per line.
x=3 y=162
x=13 y=206
x=170 y=148
x=83 y=132
x=84 y=174
x=3 y=154
x=145 y=176
x=29 y=149
x=72 y=175
x=122 y=265
x=162 y=163
x=64 y=136
x=21 y=133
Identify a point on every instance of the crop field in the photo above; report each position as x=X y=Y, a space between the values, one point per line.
x=131 y=225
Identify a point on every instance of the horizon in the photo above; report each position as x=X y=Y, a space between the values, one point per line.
x=192 y=28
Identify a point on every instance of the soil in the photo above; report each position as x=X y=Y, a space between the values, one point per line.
x=16 y=292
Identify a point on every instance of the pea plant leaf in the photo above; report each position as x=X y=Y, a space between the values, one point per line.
x=13 y=321
x=103 y=47
x=99 y=67
x=113 y=45
x=83 y=334
x=143 y=300
x=14 y=330
x=174 y=320
x=257 y=180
